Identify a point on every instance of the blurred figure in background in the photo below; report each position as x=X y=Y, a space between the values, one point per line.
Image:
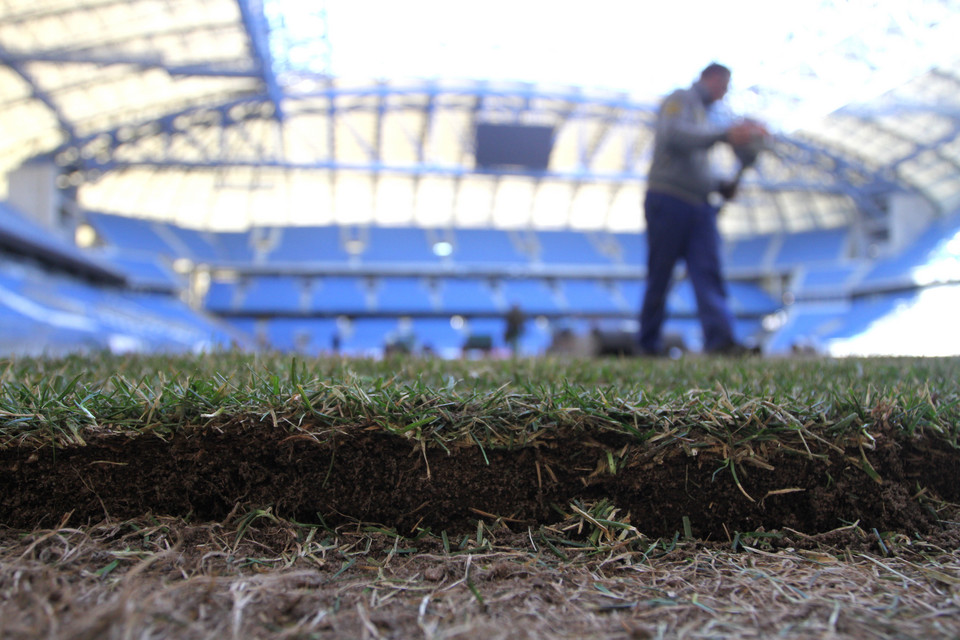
x=680 y=211
x=515 y=326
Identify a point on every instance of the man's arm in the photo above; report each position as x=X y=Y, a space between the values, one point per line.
x=678 y=126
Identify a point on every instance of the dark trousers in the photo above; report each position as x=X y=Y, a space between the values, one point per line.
x=678 y=229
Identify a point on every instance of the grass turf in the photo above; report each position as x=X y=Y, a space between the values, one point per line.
x=597 y=565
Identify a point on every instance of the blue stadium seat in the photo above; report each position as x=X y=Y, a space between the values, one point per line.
x=633 y=247
x=144 y=270
x=439 y=335
x=744 y=297
x=826 y=280
x=745 y=329
x=749 y=298
x=748 y=254
x=533 y=295
x=936 y=244
x=466 y=296
x=201 y=246
x=339 y=295
x=116 y=318
x=589 y=296
x=810 y=247
x=308 y=244
x=568 y=247
x=816 y=324
x=309 y=336
x=273 y=294
x=246 y=327
x=11 y=281
x=631 y=291
x=369 y=335
x=131 y=234
x=222 y=296
x=691 y=332
x=806 y=326
x=492 y=327
x=535 y=339
x=485 y=247
x=168 y=306
x=681 y=301
x=403 y=295
x=687 y=329
x=235 y=246
x=865 y=311
x=390 y=245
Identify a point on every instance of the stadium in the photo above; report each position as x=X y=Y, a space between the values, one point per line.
x=198 y=184
x=258 y=263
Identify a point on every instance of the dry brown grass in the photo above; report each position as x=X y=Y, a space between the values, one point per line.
x=258 y=577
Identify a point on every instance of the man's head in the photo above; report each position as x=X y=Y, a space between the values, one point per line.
x=715 y=79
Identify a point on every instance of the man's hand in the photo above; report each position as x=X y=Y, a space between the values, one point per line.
x=727 y=189
x=746 y=132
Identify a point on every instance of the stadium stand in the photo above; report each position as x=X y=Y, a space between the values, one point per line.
x=631 y=291
x=749 y=254
x=310 y=263
x=582 y=296
x=397 y=245
x=223 y=297
x=237 y=247
x=21 y=237
x=468 y=296
x=304 y=245
x=533 y=295
x=818 y=282
x=932 y=257
x=275 y=295
x=487 y=247
x=143 y=270
x=370 y=336
x=404 y=296
x=749 y=299
x=340 y=295
x=130 y=234
x=820 y=246
x=631 y=249
x=57 y=299
x=312 y=336
x=298 y=310
x=568 y=248
x=198 y=246
x=681 y=301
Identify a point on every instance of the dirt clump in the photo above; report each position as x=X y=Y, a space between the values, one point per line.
x=370 y=475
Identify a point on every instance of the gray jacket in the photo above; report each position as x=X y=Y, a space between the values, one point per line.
x=680 y=165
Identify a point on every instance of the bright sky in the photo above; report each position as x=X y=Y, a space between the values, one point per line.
x=791 y=61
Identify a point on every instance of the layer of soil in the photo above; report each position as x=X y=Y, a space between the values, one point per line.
x=373 y=476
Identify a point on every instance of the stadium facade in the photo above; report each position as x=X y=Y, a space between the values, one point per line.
x=171 y=184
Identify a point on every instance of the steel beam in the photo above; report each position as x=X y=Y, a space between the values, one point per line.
x=39 y=94
x=251 y=12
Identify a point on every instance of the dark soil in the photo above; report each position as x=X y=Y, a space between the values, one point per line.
x=371 y=476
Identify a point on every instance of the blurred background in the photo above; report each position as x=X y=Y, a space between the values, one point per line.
x=366 y=177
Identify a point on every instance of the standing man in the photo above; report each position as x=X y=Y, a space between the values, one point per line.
x=681 y=220
x=514 y=329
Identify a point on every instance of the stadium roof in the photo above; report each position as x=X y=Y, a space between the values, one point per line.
x=231 y=113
